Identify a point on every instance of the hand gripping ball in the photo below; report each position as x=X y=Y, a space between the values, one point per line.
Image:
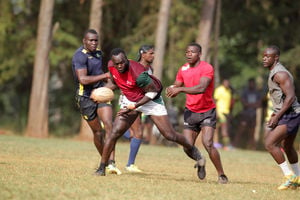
x=102 y=95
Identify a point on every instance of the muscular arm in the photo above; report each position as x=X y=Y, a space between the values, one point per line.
x=197 y=89
x=287 y=87
x=85 y=79
x=151 y=87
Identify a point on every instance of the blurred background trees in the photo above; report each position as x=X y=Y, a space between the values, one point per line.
x=246 y=27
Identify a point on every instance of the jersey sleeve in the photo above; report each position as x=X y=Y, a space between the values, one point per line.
x=80 y=61
x=179 y=77
x=208 y=72
x=143 y=79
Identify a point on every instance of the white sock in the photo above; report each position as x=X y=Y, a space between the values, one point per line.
x=295 y=167
x=285 y=168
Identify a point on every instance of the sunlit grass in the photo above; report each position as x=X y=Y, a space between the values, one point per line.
x=63 y=169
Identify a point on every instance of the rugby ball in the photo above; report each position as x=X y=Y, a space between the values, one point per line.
x=102 y=95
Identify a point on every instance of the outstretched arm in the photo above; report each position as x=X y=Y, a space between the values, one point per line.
x=172 y=91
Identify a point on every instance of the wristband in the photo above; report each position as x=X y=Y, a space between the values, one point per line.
x=151 y=95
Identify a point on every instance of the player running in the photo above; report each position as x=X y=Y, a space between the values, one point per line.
x=142 y=92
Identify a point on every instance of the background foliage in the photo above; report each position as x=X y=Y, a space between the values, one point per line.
x=246 y=28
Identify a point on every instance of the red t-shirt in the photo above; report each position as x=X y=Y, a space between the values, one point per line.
x=190 y=76
x=127 y=81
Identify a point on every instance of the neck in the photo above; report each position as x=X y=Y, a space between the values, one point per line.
x=194 y=64
x=275 y=63
x=145 y=63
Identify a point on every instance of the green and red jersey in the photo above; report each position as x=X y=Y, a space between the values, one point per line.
x=132 y=81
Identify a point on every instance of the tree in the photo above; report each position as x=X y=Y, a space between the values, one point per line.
x=85 y=132
x=37 y=125
x=161 y=37
x=205 y=26
x=216 y=42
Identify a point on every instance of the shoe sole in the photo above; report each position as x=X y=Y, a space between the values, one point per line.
x=201 y=168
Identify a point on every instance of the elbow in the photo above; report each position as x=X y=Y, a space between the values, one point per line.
x=82 y=81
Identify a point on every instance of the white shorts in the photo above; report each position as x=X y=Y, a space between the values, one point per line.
x=149 y=108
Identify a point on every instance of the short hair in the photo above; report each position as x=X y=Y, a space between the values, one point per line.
x=144 y=49
x=196 y=45
x=276 y=49
x=117 y=51
x=93 y=31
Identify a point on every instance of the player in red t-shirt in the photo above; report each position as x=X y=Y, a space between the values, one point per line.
x=196 y=80
x=142 y=92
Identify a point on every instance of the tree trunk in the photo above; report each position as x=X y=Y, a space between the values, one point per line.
x=85 y=132
x=216 y=42
x=205 y=26
x=161 y=37
x=37 y=125
x=96 y=17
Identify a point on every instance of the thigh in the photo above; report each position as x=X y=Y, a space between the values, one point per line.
x=190 y=135
x=136 y=128
x=123 y=122
x=105 y=113
x=207 y=134
x=275 y=136
x=163 y=124
x=289 y=141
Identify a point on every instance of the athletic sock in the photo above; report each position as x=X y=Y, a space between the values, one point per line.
x=285 y=168
x=135 y=144
x=296 y=169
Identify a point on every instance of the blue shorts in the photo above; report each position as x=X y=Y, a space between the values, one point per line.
x=291 y=120
x=195 y=121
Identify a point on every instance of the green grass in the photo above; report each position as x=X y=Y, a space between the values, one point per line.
x=63 y=169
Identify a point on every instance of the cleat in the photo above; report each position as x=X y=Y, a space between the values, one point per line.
x=112 y=169
x=290 y=181
x=201 y=168
x=100 y=171
x=297 y=182
x=133 y=168
x=223 y=179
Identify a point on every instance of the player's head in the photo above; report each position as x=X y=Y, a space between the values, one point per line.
x=271 y=56
x=146 y=53
x=193 y=53
x=119 y=59
x=90 y=40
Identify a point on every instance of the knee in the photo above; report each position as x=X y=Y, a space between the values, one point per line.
x=107 y=125
x=208 y=145
x=268 y=146
x=98 y=134
x=171 y=137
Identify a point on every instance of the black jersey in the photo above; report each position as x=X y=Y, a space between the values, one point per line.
x=92 y=61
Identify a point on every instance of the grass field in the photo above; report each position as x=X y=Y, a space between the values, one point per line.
x=63 y=169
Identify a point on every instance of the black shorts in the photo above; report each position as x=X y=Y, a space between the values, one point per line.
x=291 y=120
x=88 y=108
x=195 y=121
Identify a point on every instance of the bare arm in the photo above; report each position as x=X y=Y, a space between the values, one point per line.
x=288 y=89
x=85 y=79
x=197 y=89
